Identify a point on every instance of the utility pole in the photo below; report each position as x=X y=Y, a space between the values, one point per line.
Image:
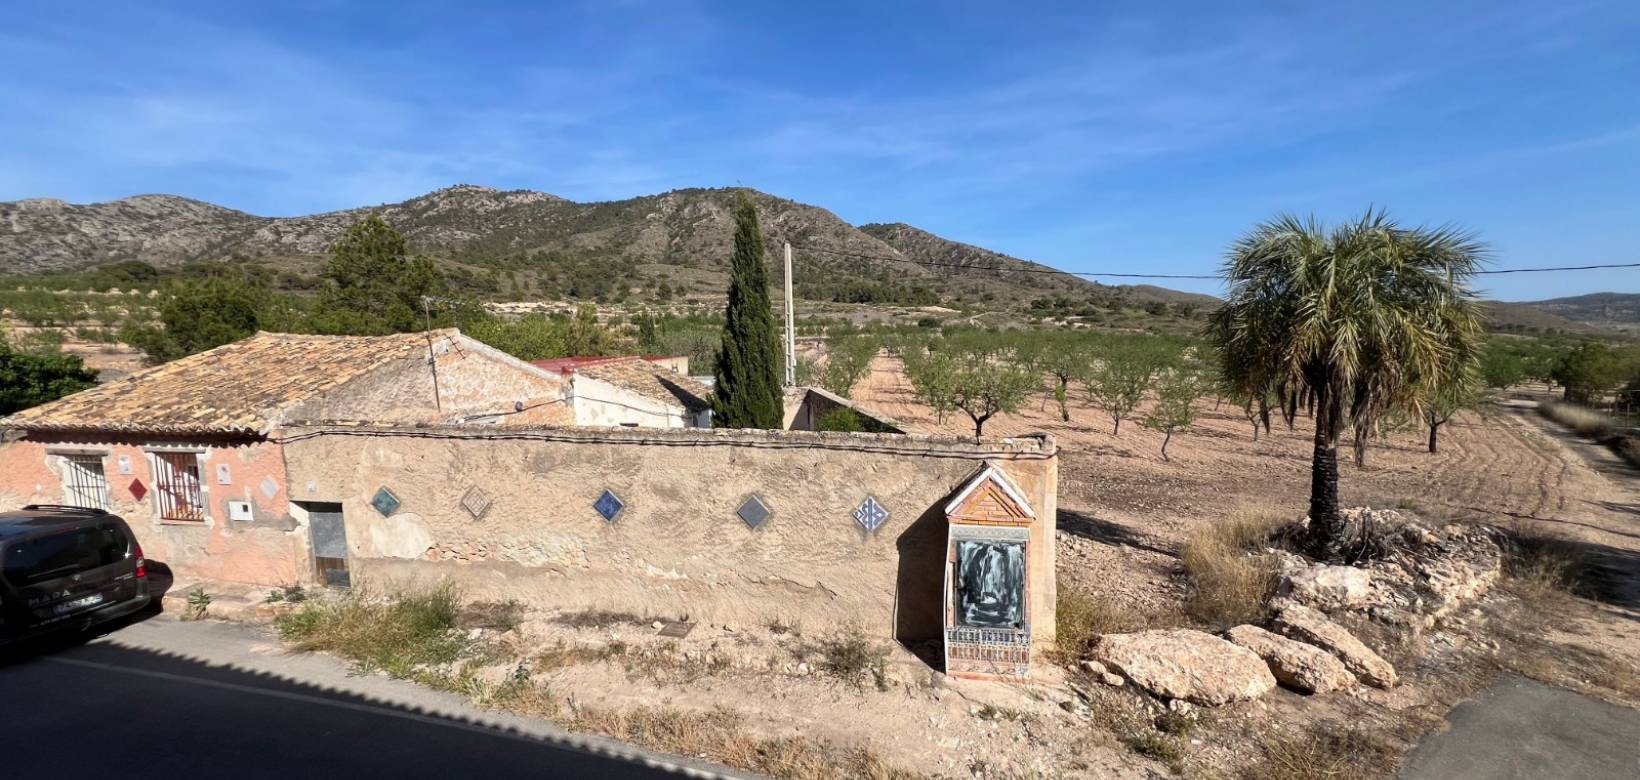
x=791 y=328
x=432 y=356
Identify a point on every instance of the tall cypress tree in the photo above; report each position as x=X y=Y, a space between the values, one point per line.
x=748 y=393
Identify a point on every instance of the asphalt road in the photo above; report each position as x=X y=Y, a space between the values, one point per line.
x=170 y=699
x=1525 y=730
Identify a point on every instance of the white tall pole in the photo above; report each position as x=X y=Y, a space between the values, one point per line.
x=791 y=328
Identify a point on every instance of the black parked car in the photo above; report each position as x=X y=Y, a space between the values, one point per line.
x=67 y=568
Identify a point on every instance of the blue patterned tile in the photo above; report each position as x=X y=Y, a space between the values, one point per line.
x=608 y=506
x=870 y=514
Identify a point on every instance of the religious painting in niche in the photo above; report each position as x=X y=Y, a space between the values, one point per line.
x=990 y=583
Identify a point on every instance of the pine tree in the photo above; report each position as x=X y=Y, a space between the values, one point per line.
x=372 y=285
x=748 y=393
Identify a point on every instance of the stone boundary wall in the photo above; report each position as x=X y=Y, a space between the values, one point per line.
x=677 y=548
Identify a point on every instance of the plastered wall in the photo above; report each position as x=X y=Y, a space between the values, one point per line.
x=270 y=549
x=677 y=549
x=601 y=403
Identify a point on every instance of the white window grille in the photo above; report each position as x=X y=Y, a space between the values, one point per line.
x=84 y=483
x=176 y=486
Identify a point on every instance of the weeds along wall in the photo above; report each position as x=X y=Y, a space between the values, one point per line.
x=677 y=548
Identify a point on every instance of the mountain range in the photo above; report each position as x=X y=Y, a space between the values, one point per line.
x=683 y=237
x=522 y=242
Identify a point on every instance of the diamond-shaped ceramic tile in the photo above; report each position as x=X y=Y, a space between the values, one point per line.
x=609 y=506
x=385 y=502
x=754 y=512
x=138 y=490
x=870 y=514
x=270 y=488
x=476 y=502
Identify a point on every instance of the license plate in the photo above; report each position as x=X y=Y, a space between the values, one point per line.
x=79 y=603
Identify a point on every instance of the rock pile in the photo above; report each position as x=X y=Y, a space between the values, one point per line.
x=1184 y=664
x=1299 y=666
x=1299 y=622
x=1409 y=575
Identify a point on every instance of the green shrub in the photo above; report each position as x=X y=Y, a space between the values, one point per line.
x=395 y=635
x=842 y=419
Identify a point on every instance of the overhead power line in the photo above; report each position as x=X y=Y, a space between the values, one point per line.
x=955 y=266
x=1561 y=268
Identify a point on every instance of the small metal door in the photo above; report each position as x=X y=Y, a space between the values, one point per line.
x=329 y=536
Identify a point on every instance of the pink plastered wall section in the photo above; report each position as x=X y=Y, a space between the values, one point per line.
x=270 y=548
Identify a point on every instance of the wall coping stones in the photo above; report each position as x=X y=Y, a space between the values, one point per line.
x=1036 y=446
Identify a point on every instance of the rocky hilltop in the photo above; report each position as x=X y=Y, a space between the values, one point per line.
x=688 y=231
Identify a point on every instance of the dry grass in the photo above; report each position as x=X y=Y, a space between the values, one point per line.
x=599 y=618
x=1585 y=421
x=492 y=615
x=724 y=736
x=1082 y=616
x=850 y=656
x=1231 y=580
x=562 y=655
x=1540 y=566
x=1629 y=448
x=1328 y=751
x=396 y=635
x=1569 y=665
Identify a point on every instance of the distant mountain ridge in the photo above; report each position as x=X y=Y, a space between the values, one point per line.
x=1606 y=309
x=683 y=236
x=686 y=232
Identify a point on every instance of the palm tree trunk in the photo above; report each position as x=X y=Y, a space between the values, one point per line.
x=1434 y=428
x=1165 y=439
x=1326 y=533
x=1290 y=411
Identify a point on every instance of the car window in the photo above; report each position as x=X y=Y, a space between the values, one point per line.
x=60 y=554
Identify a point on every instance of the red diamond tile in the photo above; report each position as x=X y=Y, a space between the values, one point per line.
x=137 y=490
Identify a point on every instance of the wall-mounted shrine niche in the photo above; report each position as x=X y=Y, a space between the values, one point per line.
x=987 y=583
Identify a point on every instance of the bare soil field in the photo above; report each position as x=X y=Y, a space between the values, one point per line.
x=1124 y=510
x=774 y=699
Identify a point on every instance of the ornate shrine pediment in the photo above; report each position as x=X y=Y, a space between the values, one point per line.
x=989 y=498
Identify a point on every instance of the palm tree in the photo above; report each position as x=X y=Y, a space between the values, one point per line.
x=1365 y=317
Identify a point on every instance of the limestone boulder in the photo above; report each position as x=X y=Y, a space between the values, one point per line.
x=1183 y=664
x=1299 y=622
x=1295 y=664
x=1329 y=587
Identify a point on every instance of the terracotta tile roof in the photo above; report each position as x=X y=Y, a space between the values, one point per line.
x=644 y=378
x=568 y=365
x=236 y=388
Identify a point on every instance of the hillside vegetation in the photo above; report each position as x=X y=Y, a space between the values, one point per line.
x=530 y=245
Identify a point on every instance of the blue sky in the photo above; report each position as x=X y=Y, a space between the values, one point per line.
x=1094 y=137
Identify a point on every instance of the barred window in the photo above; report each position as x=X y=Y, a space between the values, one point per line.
x=176 y=486
x=84 y=483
